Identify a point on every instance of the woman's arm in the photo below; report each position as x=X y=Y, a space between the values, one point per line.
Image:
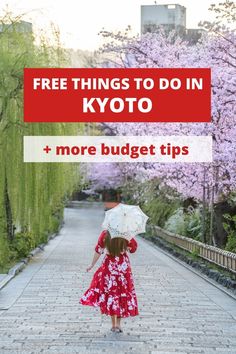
x=99 y=249
x=94 y=261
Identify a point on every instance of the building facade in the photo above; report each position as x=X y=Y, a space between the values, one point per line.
x=170 y=17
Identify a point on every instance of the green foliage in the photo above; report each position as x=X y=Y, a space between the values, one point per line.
x=23 y=243
x=4 y=252
x=193 y=222
x=230 y=227
x=176 y=222
x=158 y=203
x=165 y=208
x=31 y=194
x=195 y=253
x=185 y=223
x=159 y=210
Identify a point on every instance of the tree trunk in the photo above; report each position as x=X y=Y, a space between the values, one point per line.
x=220 y=234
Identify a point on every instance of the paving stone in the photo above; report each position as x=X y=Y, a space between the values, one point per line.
x=179 y=311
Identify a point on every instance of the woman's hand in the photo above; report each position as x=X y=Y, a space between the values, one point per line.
x=89 y=268
x=94 y=261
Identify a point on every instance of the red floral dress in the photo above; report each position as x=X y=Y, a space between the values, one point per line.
x=112 y=286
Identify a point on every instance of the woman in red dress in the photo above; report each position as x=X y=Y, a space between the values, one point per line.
x=112 y=286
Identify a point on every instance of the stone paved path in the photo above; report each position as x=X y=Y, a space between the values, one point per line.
x=179 y=311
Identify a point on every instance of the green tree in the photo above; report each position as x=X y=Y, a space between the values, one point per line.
x=32 y=195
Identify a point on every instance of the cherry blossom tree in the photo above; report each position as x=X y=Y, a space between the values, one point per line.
x=105 y=176
x=217 y=49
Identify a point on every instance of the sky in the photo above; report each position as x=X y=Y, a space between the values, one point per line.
x=80 y=21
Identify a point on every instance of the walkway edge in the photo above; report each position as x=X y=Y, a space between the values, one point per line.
x=201 y=275
x=18 y=267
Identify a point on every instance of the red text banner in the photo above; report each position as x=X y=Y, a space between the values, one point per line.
x=117 y=95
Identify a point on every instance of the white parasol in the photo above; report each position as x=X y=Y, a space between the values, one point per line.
x=125 y=221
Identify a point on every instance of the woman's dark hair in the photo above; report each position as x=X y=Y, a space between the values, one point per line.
x=115 y=245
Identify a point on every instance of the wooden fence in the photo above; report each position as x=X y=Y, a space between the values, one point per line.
x=224 y=259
